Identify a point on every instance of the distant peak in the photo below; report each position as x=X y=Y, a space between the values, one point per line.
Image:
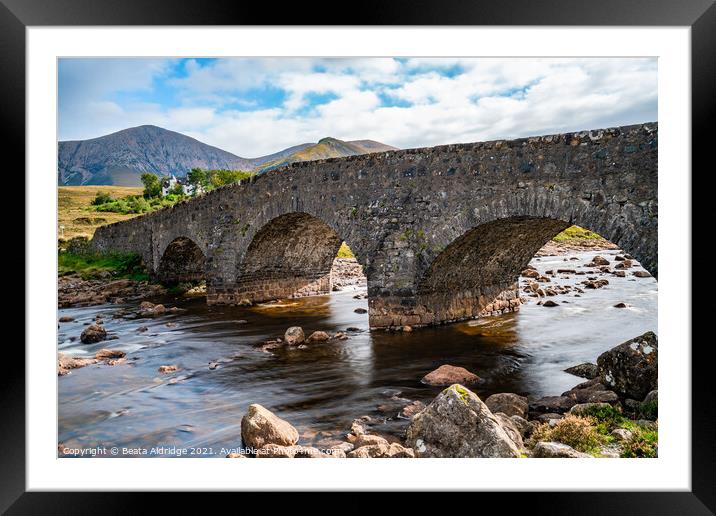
x=329 y=139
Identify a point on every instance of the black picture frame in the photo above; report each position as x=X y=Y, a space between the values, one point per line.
x=700 y=15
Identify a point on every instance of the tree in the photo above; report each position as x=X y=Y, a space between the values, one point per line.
x=102 y=198
x=152 y=186
x=197 y=178
x=178 y=190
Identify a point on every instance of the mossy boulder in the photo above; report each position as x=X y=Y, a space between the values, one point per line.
x=631 y=368
x=458 y=424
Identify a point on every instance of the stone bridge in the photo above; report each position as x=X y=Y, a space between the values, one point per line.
x=439 y=231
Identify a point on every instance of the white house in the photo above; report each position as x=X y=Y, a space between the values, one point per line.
x=168 y=184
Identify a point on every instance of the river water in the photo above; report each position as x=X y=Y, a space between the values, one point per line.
x=322 y=388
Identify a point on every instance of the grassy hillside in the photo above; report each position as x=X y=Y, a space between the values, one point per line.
x=576 y=233
x=74 y=213
x=327 y=148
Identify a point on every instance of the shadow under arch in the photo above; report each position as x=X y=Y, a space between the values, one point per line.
x=481 y=265
x=182 y=262
x=290 y=256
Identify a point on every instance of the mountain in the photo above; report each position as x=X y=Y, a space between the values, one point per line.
x=327 y=148
x=121 y=158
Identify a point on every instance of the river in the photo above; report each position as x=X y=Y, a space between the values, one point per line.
x=322 y=388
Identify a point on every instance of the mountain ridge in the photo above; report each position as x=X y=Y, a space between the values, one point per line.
x=121 y=157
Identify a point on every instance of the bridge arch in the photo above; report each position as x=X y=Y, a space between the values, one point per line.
x=182 y=261
x=291 y=255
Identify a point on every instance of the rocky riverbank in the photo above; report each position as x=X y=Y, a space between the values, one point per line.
x=554 y=248
x=612 y=414
x=73 y=290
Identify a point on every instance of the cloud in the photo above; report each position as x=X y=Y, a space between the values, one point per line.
x=258 y=106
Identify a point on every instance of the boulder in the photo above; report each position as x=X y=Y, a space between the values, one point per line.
x=65 y=363
x=448 y=375
x=631 y=368
x=93 y=333
x=368 y=440
x=106 y=354
x=147 y=309
x=66 y=318
x=164 y=369
x=549 y=303
x=600 y=260
x=592 y=396
x=510 y=428
x=318 y=336
x=294 y=336
x=582 y=409
x=652 y=396
x=552 y=404
x=641 y=274
x=621 y=434
x=585 y=370
x=525 y=427
x=260 y=427
x=557 y=450
x=548 y=417
x=411 y=409
x=391 y=451
x=594 y=384
x=508 y=403
x=458 y=424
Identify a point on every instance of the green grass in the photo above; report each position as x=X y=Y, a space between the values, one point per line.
x=134 y=204
x=88 y=265
x=643 y=443
x=576 y=233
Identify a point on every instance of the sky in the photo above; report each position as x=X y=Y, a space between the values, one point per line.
x=256 y=106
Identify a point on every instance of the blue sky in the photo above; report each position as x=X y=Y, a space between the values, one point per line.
x=256 y=106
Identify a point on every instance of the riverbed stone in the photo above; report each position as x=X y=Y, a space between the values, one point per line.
x=621 y=434
x=411 y=409
x=582 y=409
x=368 y=440
x=318 y=336
x=557 y=450
x=508 y=403
x=66 y=318
x=448 y=375
x=592 y=396
x=510 y=428
x=552 y=404
x=260 y=427
x=524 y=426
x=585 y=370
x=458 y=424
x=105 y=354
x=631 y=368
x=391 y=451
x=67 y=362
x=294 y=336
x=92 y=334
x=548 y=416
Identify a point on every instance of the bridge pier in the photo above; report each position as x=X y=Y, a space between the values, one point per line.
x=440 y=308
x=259 y=289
